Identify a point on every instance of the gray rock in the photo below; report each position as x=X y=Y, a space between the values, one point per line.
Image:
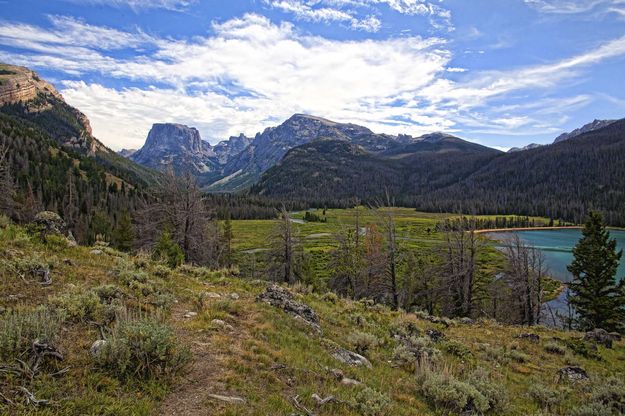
x=189 y=314
x=234 y=296
x=350 y=357
x=212 y=295
x=96 y=347
x=282 y=298
x=228 y=399
x=50 y=223
x=350 y=382
x=466 y=321
x=71 y=241
x=572 y=373
x=602 y=337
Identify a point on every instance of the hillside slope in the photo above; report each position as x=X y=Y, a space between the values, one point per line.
x=251 y=358
x=562 y=180
x=25 y=96
x=331 y=170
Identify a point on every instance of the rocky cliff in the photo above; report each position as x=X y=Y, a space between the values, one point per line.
x=178 y=146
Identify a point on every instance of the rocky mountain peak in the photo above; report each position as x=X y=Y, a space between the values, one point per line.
x=594 y=125
x=177 y=145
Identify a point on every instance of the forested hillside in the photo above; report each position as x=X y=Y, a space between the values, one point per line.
x=441 y=173
x=563 y=180
x=337 y=172
x=49 y=160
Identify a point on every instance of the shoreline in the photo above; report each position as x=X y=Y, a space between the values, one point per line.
x=503 y=230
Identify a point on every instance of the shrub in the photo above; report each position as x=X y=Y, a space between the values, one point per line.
x=578 y=346
x=555 y=348
x=18 y=330
x=363 y=342
x=144 y=349
x=457 y=349
x=495 y=393
x=517 y=356
x=370 y=402
x=79 y=306
x=162 y=271
x=358 y=320
x=593 y=409
x=413 y=350
x=545 y=396
x=330 y=297
x=446 y=392
x=404 y=328
x=108 y=293
x=610 y=393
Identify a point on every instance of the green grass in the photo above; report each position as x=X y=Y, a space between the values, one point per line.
x=267 y=358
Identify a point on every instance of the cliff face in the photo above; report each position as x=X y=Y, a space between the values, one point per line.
x=178 y=146
x=23 y=93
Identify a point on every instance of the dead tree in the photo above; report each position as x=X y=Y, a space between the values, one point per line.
x=461 y=248
x=525 y=272
x=286 y=251
x=177 y=204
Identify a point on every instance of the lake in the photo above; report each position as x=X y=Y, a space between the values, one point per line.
x=557 y=246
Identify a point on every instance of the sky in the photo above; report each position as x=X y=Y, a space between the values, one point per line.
x=502 y=73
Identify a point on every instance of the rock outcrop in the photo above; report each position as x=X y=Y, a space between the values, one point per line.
x=178 y=146
x=282 y=298
x=594 y=125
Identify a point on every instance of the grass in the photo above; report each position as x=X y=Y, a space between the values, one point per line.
x=267 y=357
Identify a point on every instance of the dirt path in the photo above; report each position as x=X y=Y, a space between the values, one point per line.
x=190 y=395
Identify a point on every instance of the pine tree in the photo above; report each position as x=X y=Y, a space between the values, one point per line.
x=124 y=235
x=597 y=297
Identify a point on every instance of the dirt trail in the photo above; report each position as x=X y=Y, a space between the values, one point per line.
x=191 y=395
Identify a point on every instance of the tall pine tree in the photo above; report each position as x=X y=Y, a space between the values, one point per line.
x=124 y=234
x=597 y=297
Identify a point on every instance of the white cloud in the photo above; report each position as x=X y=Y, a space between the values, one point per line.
x=349 y=11
x=137 y=5
x=575 y=7
x=250 y=73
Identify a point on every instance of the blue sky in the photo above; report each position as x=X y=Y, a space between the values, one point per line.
x=498 y=72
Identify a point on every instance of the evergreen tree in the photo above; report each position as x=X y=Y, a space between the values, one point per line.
x=168 y=250
x=124 y=235
x=597 y=297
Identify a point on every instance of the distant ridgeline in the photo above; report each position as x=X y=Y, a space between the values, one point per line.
x=442 y=173
x=52 y=162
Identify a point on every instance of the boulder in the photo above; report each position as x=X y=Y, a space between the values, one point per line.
x=50 y=223
x=350 y=357
x=602 y=337
x=572 y=373
x=434 y=334
x=96 y=347
x=282 y=298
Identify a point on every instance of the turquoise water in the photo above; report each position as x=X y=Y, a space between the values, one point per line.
x=557 y=246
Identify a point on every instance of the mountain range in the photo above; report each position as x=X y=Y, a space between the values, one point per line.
x=307 y=159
